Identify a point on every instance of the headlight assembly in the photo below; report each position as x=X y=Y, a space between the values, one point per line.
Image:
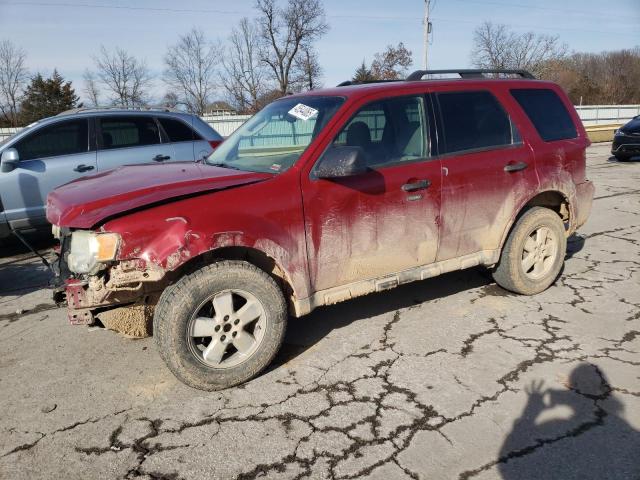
x=89 y=249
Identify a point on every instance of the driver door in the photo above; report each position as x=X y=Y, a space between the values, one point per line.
x=383 y=221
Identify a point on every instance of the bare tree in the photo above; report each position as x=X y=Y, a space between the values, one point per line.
x=170 y=100
x=308 y=70
x=286 y=32
x=598 y=78
x=244 y=76
x=91 y=88
x=391 y=64
x=127 y=78
x=495 y=46
x=191 y=69
x=13 y=78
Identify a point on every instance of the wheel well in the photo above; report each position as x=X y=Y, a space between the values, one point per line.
x=251 y=255
x=554 y=201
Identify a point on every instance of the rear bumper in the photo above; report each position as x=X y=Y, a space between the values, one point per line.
x=584 y=201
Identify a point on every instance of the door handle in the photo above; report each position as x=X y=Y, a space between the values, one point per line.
x=515 y=167
x=83 y=168
x=161 y=158
x=419 y=185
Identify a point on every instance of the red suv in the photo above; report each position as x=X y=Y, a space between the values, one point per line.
x=322 y=197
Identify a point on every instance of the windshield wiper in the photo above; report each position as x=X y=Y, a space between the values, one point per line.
x=223 y=165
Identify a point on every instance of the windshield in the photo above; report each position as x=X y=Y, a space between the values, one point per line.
x=273 y=139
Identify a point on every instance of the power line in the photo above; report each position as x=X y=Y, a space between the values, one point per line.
x=412 y=19
x=124 y=7
x=540 y=7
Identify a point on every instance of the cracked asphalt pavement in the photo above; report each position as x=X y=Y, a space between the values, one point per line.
x=451 y=377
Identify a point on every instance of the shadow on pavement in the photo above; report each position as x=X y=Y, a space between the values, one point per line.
x=11 y=246
x=613 y=159
x=21 y=271
x=303 y=333
x=575 y=243
x=593 y=442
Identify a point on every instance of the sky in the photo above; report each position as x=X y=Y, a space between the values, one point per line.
x=67 y=34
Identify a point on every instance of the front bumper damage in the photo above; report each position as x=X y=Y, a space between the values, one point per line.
x=121 y=296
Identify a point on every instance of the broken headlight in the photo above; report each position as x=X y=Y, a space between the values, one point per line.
x=90 y=249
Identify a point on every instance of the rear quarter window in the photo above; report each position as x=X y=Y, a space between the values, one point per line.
x=547 y=113
x=178 y=131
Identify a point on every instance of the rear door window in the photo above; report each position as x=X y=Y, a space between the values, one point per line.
x=128 y=131
x=547 y=113
x=474 y=121
x=178 y=131
x=62 y=138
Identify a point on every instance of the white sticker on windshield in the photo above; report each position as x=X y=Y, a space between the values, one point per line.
x=303 y=112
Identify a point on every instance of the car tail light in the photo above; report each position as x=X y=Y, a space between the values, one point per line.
x=214 y=143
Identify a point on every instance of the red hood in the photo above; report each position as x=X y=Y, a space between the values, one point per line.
x=87 y=201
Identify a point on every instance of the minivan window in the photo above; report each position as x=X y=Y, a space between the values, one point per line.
x=120 y=132
x=389 y=131
x=178 y=131
x=61 y=138
x=274 y=139
x=473 y=121
x=547 y=113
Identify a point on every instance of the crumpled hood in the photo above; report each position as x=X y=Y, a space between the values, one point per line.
x=89 y=200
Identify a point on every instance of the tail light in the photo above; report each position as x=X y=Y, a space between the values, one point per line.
x=215 y=143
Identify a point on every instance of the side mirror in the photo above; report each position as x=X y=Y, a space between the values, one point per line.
x=9 y=160
x=341 y=162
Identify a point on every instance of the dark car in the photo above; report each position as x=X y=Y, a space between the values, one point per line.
x=322 y=197
x=626 y=141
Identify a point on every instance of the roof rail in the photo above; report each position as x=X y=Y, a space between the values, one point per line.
x=471 y=73
x=115 y=108
x=364 y=82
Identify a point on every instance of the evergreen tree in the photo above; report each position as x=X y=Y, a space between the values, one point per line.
x=363 y=74
x=45 y=97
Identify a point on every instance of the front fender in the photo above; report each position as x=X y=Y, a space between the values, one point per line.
x=168 y=237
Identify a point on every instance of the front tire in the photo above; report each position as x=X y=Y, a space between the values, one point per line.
x=533 y=254
x=220 y=325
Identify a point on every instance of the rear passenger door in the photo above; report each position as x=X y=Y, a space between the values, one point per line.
x=487 y=171
x=182 y=138
x=130 y=140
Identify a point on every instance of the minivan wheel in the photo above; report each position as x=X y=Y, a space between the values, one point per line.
x=533 y=254
x=220 y=325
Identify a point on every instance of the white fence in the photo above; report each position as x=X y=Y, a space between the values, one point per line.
x=603 y=114
x=225 y=125
x=590 y=115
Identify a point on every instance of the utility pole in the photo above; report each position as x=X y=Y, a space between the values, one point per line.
x=427 y=31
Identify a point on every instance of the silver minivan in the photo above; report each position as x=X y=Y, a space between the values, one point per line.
x=56 y=150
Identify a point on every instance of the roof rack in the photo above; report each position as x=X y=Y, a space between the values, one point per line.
x=103 y=109
x=471 y=73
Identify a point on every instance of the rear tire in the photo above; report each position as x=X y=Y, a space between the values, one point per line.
x=533 y=254
x=220 y=325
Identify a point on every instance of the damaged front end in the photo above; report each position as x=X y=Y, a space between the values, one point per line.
x=121 y=295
